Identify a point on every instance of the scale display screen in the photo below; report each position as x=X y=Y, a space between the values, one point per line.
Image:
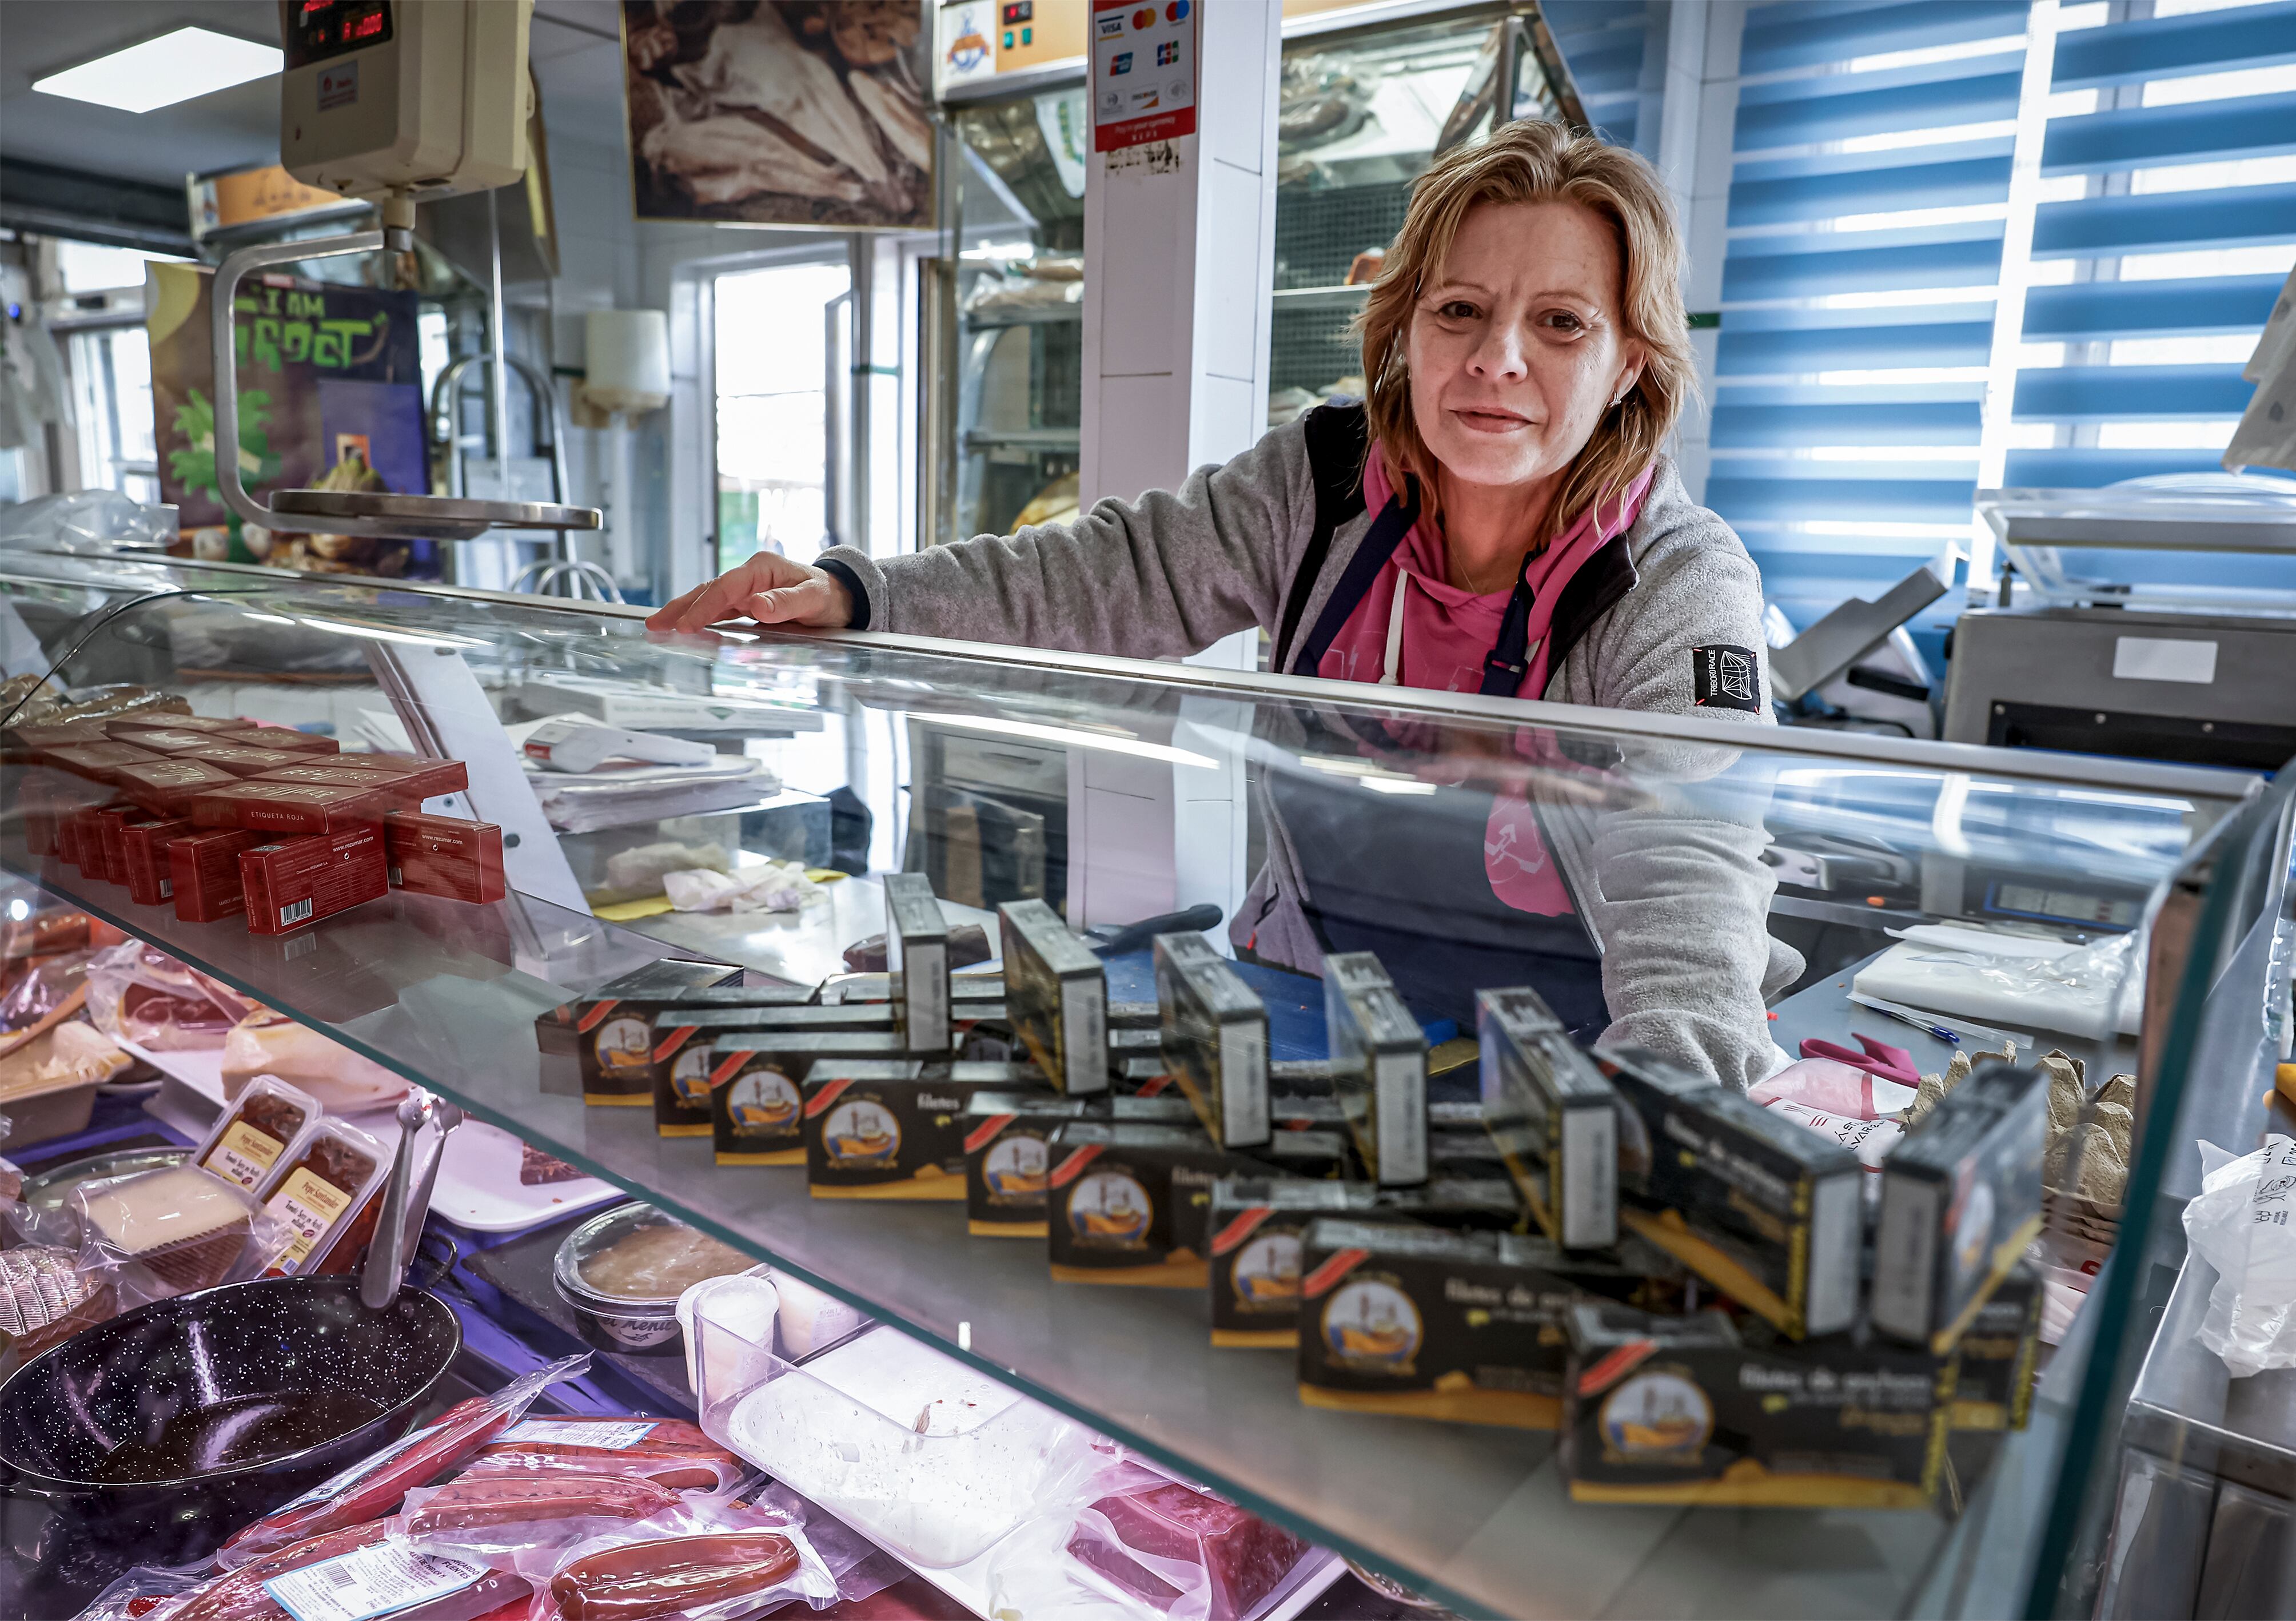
x=315 y=30
x=2065 y=906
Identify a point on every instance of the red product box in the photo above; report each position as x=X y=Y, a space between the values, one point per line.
x=127 y=727
x=445 y=855
x=279 y=737
x=110 y=825
x=241 y=760
x=203 y=869
x=295 y=882
x=27 y=744
x=414 y=781
x=165 y=787
x=292 y=807
x=46 y=801
x=98 y=761
x=84 y=840
x=171 y=741
x=150 y=880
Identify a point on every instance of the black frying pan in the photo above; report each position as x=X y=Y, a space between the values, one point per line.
x=178 y=1423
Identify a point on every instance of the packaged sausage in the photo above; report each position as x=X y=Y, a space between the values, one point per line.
x=329 y=1190
x=240 y=1594
x=703 y=1561
x=670 y=1452
x=255 y=1130
x=503 y=1511
x=374 y=1485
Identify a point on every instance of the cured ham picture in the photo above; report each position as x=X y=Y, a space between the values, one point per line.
x=793 y=112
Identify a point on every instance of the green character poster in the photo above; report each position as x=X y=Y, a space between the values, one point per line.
x=330 y=396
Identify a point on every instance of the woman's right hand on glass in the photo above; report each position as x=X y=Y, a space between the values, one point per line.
x=769 y=589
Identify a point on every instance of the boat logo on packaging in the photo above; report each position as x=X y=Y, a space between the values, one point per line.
x=1372 y=1327
x=624 y=1044
x=689 y=1079
x=1657 y=1417
x=762 y=1100
x=1015 y=1166
x=1266 y=1272
x=861 y=1135
x=1109 y=1210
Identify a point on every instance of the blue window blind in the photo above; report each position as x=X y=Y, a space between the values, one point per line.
x=1868 y=200
x=2167 y=225
x=1607 y=44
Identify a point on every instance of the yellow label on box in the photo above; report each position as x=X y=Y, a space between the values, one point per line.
x=311 y=1204
x=243 y=1154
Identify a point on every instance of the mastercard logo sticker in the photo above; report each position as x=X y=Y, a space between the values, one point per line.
x=1178 y=12
x=1145 y=18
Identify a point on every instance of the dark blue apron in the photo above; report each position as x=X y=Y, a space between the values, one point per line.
x=1404 y=875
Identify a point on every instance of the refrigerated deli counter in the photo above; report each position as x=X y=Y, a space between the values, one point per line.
x=1823 y=1280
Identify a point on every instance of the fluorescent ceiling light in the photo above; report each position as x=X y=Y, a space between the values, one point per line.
x=339 y=629
x=159 y=72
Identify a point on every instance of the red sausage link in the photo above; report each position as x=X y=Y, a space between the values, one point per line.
x=643 y=1580
x=503 y=1500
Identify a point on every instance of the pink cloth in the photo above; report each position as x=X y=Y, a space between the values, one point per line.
x=1448 y=631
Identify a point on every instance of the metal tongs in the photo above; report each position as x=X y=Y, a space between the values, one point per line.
x=405 y=1202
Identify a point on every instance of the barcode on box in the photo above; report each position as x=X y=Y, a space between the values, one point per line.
x=295 y=913
x=340 y=1579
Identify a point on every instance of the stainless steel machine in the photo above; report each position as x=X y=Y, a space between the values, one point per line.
x=2154 y=620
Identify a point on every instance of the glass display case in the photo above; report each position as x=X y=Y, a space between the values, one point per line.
x=1741 y=889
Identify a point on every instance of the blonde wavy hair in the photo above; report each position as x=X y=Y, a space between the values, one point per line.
x=1534 y=161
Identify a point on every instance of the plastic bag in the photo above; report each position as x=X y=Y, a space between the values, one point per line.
x=703 y=1561
x=169 y=1232
x=268 y=1043
x=670 y=1452
x=143 y=1591
x=47 y=986
x=1116 y=1535
x=774 y=886
x=1832 y=1087
x=90 y=521
x=137 y=992
x=2241 y=1223
x=491 y=1512
x=374 y=1485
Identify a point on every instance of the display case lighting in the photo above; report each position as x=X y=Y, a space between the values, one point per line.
x=191 y=61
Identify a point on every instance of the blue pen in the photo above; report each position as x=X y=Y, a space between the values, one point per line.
x=1938 y=1032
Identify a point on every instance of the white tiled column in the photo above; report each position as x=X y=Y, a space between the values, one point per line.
x=1179 y=275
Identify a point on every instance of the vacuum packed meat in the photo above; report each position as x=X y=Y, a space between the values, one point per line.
x=668 y=1452
x=477 y=1501
x=1164 y=1542
x=639 y=1581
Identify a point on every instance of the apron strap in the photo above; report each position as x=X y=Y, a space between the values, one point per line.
x=1386 y=534
x=1509 y=659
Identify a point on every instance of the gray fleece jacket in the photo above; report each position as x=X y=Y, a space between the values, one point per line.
x=1661 y=845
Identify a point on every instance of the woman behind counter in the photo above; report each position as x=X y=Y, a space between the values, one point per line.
x=1495 y=517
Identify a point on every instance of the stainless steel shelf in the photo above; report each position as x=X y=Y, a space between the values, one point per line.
x=1291 y=301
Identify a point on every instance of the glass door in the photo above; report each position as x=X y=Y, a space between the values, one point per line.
x=776 y=402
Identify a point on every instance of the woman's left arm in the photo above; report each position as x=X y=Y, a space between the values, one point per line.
x=1683 y=910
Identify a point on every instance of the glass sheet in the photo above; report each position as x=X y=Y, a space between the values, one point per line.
x=1726 y=864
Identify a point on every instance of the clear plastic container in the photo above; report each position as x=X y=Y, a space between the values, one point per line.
x=933 y=1459
x=622 y=1272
